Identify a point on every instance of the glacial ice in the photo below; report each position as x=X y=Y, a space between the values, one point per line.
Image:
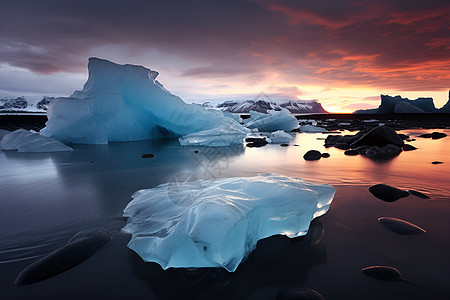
x=127 y=103
x=280 y=137
x=217 y=137
x=217 y=222
x=27 y=141
x=274 y=120
x=311 y=128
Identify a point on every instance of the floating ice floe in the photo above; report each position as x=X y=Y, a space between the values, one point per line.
x=127 y=103
x=27 y=141
x=217 y=222
x=274 y=120
x=280 y=137
x=310 y=128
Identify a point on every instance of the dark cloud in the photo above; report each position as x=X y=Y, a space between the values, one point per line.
x=389 y=44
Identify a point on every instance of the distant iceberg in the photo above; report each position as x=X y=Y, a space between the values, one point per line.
x=399 y=105
x=274 y=120
x=217 y=222
x=127 y=103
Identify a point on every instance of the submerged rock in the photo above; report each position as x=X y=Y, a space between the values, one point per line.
x=80 y=247
x=400 y=226
x=386 y=273
x=299 y=293
x=147 y=155
x=351 y=152
x=387 y=193
x=408 y=147
x=418 y=194
x=312 y=155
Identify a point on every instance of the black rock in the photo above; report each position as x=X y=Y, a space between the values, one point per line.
x=196 y=151
x=351 y=152
x=418 y=194
x=400 y=226
x=342 y=146
x=299 y=293
x=147 y=155
x=408 y=147
x=438 y=135
x=388 y=151
x=425 y=135
x=256 y=142
x=404 y=136
x=363 y=149
x=437 y=162
x=379 y=136
x=372 y=152
x=284 y=145
x=312 y=155
x=383 y=273
x=387 y=193
x=80 y=247
x=325 y=155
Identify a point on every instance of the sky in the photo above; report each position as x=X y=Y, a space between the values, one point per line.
x=342 y=53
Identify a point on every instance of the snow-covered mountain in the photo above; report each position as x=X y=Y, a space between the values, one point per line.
x=262 y=106
x=25 y=104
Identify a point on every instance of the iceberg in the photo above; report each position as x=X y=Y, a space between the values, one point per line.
x=217 y=222
x=311 y=128
x=274 y=120
x=280 y=137
x=27 y=141
x=127 y=103
x=217 y=137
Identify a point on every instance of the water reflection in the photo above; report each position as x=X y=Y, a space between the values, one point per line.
x=276 y=263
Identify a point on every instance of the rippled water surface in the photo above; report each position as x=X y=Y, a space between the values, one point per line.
x=46 y=198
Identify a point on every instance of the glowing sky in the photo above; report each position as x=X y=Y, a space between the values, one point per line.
x=343 y=53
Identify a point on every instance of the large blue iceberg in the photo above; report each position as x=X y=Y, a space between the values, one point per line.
x=127 y=103
x=217 y=222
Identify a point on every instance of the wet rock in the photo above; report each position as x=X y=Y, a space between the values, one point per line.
x=437 y=162
x=147 y=155
x=196 y=151
x=342 y=146
x=386 y=273
x=425 y=135
x=387 y=193
x=400 y=226
x=312 y=155
x=404 y=136
x=379 y=136
x=363 y=149
x=385 y=152
x=325 y=155
x=351 y=152
x=408 y=147
x=418 y=194
x=80 y=247
x=284 y=145
x=299 y=293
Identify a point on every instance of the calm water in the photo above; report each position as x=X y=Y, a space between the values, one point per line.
x=46 y=198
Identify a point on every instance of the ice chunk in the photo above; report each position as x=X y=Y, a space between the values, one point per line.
x=274 y=120
x=310 y=128
x=216 y=137
x=27 y=141
x=280 y=137
x=217 y=222
x=126 y=103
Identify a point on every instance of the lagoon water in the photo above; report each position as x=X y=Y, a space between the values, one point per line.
x=46 y=198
